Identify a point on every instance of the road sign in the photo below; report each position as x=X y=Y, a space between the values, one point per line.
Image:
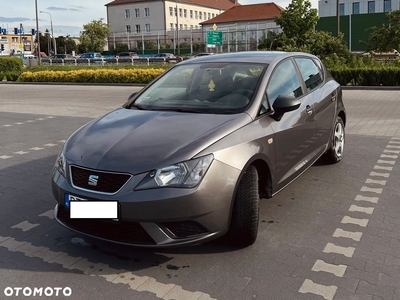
x=214 y=37
x=21 y=46
x=4 y=30
x=20 y=31
x=215 y=27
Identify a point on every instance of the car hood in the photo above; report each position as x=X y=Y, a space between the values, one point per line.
x=136 y=141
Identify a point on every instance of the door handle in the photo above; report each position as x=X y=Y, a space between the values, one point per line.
x=333 y=97
x=309 y=109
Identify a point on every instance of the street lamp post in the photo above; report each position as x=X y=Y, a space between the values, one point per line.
x=37 y=34
x=52 y=31
x=338 y=16
x=177 y=27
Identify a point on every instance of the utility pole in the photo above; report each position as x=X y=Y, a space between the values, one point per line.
x=37 y=34
x=338 y=16
x=177 y=27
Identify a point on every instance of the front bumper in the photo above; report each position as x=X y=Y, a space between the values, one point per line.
x=158 y=217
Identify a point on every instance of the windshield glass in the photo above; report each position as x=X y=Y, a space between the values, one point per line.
x=221 y=88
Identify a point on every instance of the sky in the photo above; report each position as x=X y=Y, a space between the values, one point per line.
x=68 y=15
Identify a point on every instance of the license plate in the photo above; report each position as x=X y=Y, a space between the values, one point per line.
x=83 y=209
x=94 y=210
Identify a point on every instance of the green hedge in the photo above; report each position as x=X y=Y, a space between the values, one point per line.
x=9 y=76
x=367 y=76
x=11 y=64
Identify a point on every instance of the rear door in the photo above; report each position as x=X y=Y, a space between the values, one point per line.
x=323 y=96
x=295 y=132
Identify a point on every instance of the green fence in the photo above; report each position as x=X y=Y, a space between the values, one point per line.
x=356 y=28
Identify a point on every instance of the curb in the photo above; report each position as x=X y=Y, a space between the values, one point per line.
x=376 y=88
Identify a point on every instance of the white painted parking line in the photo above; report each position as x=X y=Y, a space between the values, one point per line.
x=25 y=226
x=394 y=142
x=5 y=157
x=367 y=210
x=7 y=125
x=48 y=214
x=18 y=123
x=321 y=266
x=368 y=199
x=389 y=162
x=355 y=236
x=50 y=117
x=50 y=145
x=36 y=149
x=30 y=121
x=327 y=292
x=39 y=119
x=391 y=151
x=332 y=248
x=146 y=284
x=354 y=221
x=372 y=181
x=389 y=156
x=392 y=147
x=372 y=190
x=395 y=138
x=62 y=141
x=386 y=175
x=21 y=152
x=383 y=168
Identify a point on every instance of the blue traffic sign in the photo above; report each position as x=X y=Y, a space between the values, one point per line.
x=4 y=30
x=20 y=31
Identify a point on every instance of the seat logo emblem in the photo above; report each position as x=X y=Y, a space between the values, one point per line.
x=93 y=180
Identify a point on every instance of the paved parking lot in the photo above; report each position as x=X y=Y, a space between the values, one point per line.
x=332 y=234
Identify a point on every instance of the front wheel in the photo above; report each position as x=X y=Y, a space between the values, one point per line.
x=245 y=215
x=336 y=146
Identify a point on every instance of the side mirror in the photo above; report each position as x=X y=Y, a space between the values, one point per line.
x=284 y=104
x=126 y=105
x=132 y=95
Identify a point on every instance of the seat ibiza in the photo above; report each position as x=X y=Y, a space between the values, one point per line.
x=188 y=158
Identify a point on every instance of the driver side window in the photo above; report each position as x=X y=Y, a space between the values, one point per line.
x=284 y=82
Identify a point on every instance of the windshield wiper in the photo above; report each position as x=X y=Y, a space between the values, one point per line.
x=138 y=106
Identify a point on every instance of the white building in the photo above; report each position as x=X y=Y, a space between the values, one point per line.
x=133 y=21
x=327 y=8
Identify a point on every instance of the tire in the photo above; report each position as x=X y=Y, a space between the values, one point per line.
x=245 y=215
x=335 y=152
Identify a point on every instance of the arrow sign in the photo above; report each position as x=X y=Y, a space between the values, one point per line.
x=4 y=30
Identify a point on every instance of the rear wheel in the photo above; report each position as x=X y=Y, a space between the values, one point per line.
x=335 y=152
x=245 y=215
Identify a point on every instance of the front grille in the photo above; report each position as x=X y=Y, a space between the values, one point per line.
x=185 y=229
x=123 y=232
x=107 y=182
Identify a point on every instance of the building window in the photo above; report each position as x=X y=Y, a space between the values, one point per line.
x=213 y=15
x=341 y=9
x=180 y=26
x=137 y=13
x=371 y=7
x=205 y=16
x=128 y=29
x=176 y=12
x=387 y=5
x=200 y=15
x=171 y=25
x=209 y=16
x=127 y=13
x=356 y=8
x=186 y=27
x=191 y=26
x=185 y=13
x=191 y=14
x=147 y=28
x=180 y=12
x=171 y=12
x=147 y=12
x=137 y=28
x=196 y=15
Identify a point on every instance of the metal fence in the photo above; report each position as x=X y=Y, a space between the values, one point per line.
x=109 y=61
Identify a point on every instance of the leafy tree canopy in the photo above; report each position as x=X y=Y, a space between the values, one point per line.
x=94 y=35
x=387 y=37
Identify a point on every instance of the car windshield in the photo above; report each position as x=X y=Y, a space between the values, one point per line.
x=212 y=88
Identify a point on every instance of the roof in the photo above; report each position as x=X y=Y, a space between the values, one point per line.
x=251 y=12
x=219 y=4
x=263 y=57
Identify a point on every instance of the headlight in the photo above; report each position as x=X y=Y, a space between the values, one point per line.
x=61 y=163
x=187 y=174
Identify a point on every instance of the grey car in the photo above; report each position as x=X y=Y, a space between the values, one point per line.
x=188 y=158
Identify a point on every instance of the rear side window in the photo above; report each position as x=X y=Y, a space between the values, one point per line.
x=284 y=82
x=310 y=73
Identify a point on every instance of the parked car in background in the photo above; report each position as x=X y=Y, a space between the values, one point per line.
x=165 y=55
x=188 y=158
x=202 y=54
x=129 y=55
x=43 y=55
x=63 y=56
x=95 y=57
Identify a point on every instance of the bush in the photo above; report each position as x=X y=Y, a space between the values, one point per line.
x=367 y=76
x=11 y=64
x=142 y=76
x=9 y=76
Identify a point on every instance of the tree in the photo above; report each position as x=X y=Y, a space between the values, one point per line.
x=298 y=19
x=387 y=37
x=94 y=35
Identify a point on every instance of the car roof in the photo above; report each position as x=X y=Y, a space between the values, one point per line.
x=266 y=57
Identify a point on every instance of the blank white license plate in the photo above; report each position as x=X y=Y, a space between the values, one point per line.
x=94 y=209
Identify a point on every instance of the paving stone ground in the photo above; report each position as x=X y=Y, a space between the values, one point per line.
x=300 y=229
